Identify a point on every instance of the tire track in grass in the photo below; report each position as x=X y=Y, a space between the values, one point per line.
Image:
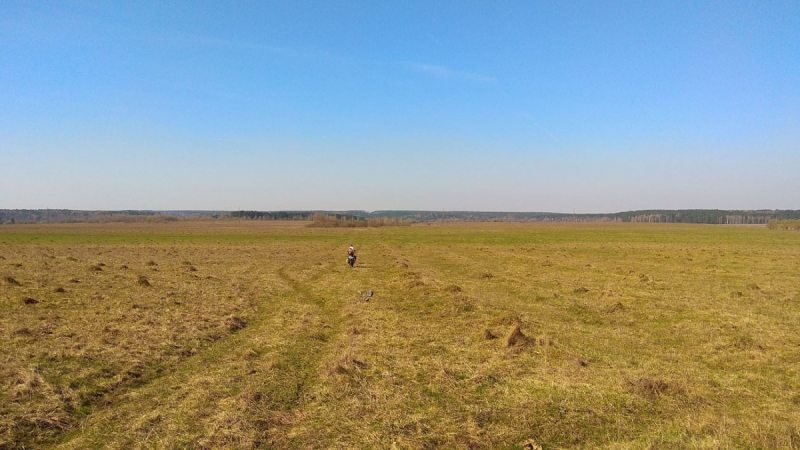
x=238 y=393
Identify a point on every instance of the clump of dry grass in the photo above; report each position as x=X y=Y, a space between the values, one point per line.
x=416 y=284
x=33 y=404
x=454 y=289
x=650 y=387
x=615 y=307
x=516 y=338
x=235 y=323
x=348 y=365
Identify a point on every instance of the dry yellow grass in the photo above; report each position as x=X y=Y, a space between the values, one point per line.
x=258 y=335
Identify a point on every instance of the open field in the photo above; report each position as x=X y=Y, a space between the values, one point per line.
x=257 y=335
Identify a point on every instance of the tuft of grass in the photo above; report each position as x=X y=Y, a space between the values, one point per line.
x=516 y=338
x=235 y=323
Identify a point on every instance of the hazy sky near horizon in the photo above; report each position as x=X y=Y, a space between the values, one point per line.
x=495 y=106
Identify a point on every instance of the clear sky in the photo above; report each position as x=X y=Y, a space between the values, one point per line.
x=498 y=106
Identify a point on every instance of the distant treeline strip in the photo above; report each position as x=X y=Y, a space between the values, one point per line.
x=707 y=216
x=13 y=216
x=296 y=215
x=320 y=220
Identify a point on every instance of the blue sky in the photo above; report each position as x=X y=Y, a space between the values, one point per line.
x=503 y=106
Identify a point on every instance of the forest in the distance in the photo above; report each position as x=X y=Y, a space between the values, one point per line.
x=707 y=216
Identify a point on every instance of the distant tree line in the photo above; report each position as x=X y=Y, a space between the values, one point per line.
x=289 y=215
x=707 y=216
x=320 y=220
x=15 y=216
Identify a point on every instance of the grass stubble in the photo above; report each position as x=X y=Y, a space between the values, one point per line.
x=257 y=335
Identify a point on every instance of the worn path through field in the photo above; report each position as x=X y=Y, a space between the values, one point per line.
x=245 y=389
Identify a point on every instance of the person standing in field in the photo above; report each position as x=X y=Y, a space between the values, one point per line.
x=351 y=256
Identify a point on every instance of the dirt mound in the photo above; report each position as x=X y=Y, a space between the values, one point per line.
x=530 y=444
x=649 y=386
x=30 y=301
x=348 y=364
x=516 y=338
x=235 y=323
x=142 y=281
x=416 y=284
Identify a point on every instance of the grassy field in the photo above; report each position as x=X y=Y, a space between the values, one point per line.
x=258 y=335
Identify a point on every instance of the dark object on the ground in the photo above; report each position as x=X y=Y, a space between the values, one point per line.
x=30 y=301
x=235 y=323
x=487 y=334
x=516 y=337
